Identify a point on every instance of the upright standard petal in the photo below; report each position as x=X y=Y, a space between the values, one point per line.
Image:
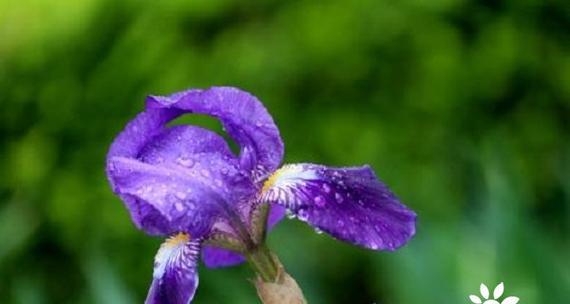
x=350 y=204
x=175 y=276
x=244 y=118
x=173 y=179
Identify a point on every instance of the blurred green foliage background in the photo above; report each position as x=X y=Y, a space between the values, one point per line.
x=462 y=107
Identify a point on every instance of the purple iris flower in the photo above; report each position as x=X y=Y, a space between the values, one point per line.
x=184 y=182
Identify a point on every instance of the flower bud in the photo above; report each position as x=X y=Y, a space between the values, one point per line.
x=284 y=291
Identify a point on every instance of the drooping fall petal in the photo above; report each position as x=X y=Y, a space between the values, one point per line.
x=175 y=276
x=350 y=204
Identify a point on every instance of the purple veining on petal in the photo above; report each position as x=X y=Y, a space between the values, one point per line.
x=350 y=204
x=175 y=276
x=244 y=118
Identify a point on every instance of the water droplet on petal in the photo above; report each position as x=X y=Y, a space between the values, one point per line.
x=320 y=201
x=181 y=195
x=318 y=231
x=327 y=188
x=339 y=198
x=185 y=161
x=290 y=215
x=179 y=206
x=303 y=215
x=205 y=173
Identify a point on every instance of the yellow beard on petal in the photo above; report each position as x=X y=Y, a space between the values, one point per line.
x=176 y=240
x=273 y=178
x=270 y=181
x=288 y=175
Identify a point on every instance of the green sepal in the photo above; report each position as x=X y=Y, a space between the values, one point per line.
x=226 y=241
x=259 y=222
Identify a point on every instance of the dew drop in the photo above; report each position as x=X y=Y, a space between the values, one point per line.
x=185 y=161
x=318 y=231
x=218 y=182
x=290 y=215
x=205 y=173
x=326 y=188
x=302 y=215
x=181 y=195
x=179 y=206
x=320 y=201
x=339 y=198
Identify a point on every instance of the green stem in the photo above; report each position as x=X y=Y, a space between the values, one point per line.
x=264 y=263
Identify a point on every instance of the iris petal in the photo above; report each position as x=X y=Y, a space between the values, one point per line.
x=181 y=198
x=276 y=214
x=350 y=204
x=172 y=179
x=215 y=257
x=244 y=118
x=175 y=276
